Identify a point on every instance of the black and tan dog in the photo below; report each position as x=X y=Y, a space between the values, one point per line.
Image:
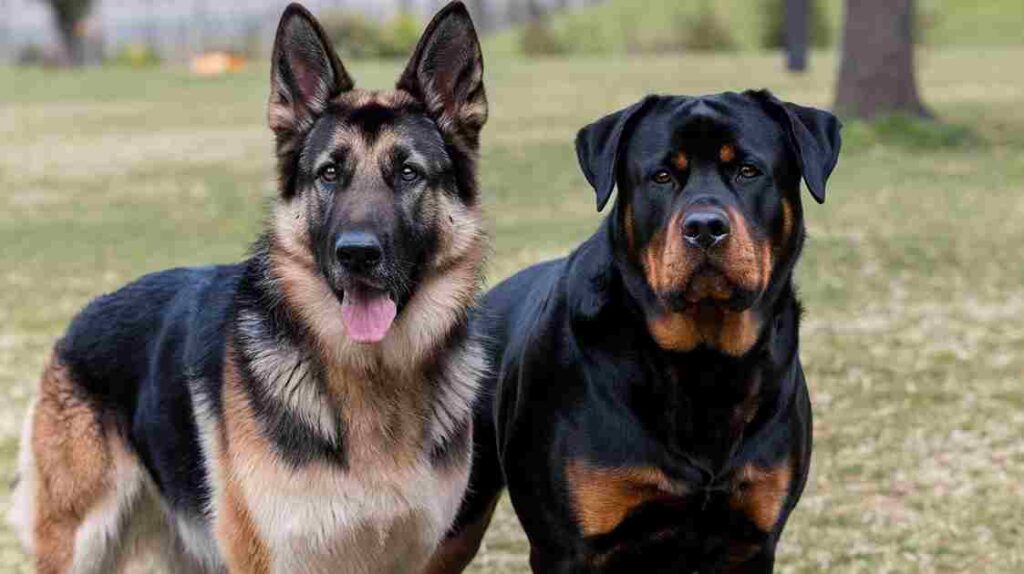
x=650 y=413
x=309 y=409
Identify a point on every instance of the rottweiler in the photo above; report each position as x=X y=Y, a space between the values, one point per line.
x=308 y=409
x=648 y=411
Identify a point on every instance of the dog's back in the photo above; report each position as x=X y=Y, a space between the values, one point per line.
x=175 y=324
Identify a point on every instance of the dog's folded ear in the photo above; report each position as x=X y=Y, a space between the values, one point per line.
x=305 y=72
x=597 y=149
x=814 y=138
x=446 y=73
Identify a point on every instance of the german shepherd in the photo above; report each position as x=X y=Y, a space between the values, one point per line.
x=308 y=409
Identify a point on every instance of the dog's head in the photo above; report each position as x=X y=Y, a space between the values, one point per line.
x=709 y=210
x=377 y=188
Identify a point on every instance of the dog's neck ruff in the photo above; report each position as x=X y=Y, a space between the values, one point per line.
x=330 y=392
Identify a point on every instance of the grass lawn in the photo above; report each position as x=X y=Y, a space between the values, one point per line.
x=913 y=278
x=621 y=26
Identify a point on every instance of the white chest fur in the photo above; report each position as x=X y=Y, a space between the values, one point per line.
x=326 y=519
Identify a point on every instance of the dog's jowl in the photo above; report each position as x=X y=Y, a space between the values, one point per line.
x=650 y=412
x=308 y=409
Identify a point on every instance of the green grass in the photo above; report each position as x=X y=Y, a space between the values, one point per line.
x=614 y=26
x=910 y=133
x=913 y=277
x=959 y=23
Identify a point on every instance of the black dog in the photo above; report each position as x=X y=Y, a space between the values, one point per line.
x=650 y=413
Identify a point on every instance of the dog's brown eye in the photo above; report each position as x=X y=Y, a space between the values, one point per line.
x=329 y=173
x=409 y=173
x=748 y=171
x=662 y=177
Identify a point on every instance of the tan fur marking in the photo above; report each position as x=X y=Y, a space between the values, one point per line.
x=730 y=332
x=727 y=153
x=787 y=221
x=651 y=261
x=460 y=233
x=681 y=161
x=667 y=262
x=455 y=553
x=234 y=527
x=382 y=417
x=675 y=332
x=604 y=496
x=243 y=549
x=745 y=261
x=761 y=492
x=712 y=286
x=356 y=98
x=73 y=465
x=765 y=264
x=738 y=332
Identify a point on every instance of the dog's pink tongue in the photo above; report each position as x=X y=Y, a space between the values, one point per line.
x=367 y=316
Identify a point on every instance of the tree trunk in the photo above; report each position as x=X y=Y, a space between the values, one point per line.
x=71 y=40
x=534 y=11
x=876 y=76
x=67 y=17
x=796 y=19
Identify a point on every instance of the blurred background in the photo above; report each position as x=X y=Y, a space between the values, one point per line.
x=133 y=138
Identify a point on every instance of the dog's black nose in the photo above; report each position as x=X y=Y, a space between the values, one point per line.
x=358 y=251
x=706 y=228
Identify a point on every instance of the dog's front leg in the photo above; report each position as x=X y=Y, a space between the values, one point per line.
x=243 y=550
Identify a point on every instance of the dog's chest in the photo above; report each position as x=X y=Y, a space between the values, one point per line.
x=605 y=492
x=384 y=504
x=369 y=520
x=605 y=497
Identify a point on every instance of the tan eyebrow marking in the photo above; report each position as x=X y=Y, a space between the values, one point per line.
x=681 y=161
x=727 y=153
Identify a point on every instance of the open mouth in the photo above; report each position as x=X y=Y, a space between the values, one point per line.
x=367 y=312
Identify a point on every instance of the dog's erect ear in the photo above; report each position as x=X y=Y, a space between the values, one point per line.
x=446 y=73
x=305 y=73
x=814 y=137
x=597 y=149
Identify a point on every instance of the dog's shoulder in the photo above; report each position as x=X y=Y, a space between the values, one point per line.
x=533 y=323
x=136 y=354
x=547 y=295
x=506 y=310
